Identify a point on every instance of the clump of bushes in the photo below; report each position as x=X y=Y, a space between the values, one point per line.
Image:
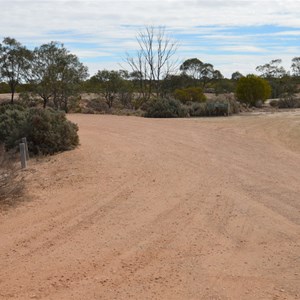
x=11 y=118
x=288 y=102
x=96 y=105
x=47 y=131
x=217 y=107
x=173 y=108
x=211 y=108
x=273 y=103
x=197 y=109
x=165 y=108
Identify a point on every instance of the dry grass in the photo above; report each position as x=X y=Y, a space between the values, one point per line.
x=11 y=180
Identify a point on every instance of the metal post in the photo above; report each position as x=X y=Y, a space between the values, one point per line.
x=24 y=140
x=23 y=156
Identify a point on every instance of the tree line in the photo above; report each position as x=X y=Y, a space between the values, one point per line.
x=56 y=75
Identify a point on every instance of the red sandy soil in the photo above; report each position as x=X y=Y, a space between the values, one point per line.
x=160 y=209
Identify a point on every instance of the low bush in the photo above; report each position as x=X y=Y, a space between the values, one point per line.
x=165 y=108
x=273 y=103
x=288 y=102
x=12 y=117
x=217 y=107
x=30 y=100
x=96 y=105
x=47 y=131
x=197 y=109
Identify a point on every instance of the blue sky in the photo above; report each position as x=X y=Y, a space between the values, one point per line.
x=232 y=35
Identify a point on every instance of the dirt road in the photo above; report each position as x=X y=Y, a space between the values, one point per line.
x=161 y=209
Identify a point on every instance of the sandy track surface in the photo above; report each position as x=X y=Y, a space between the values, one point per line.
x=161 y=209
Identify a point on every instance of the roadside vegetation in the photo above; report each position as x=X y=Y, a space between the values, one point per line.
x=47 y=82
x=47 y=130
x=51 y=81
x=11 y=181
x=51 y=77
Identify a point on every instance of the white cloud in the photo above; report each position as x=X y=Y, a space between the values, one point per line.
x=109 y=27
x=243 y=48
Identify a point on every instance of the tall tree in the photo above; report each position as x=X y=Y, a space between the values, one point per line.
x=110 y=84
x=14 y=63
x=56 y=74
x=272 y=69
x=154 y=59
x=200 y=72
x=296 y=66
x=280 y=80
x=236 y=75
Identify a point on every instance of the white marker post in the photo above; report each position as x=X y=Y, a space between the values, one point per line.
x=23 y=156
x=24 y=140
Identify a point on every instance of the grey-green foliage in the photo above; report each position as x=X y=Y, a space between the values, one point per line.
x=11 y=118
x=14 y=63
x=165 y=108
x=113 y=85
x=197 y=109
x=56 y=74
x=47 y=130
x=200 y=71
x=296 y=66
x=272 y=69
x=211 y=108
x=288 y=101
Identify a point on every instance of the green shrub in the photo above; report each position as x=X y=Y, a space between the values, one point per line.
x=251 y=89
x=288 y=102
x=47 y=131
x=190 y=94
x=165 y=108
x=12 y=117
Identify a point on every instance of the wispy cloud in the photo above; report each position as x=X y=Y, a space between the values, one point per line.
x=224 y=33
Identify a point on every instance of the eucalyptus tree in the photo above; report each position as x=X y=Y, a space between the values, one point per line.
x=236 y=75
x=296 y=66
x=200 y=72
x=14 y=63
x=273 y=69
x=279 y=79
x=56 y=74
x=112 y=85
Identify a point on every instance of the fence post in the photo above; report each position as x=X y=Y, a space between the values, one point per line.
x=24 y=140
x=23 y=156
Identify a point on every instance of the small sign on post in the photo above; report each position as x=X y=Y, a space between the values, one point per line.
x=23 y=156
